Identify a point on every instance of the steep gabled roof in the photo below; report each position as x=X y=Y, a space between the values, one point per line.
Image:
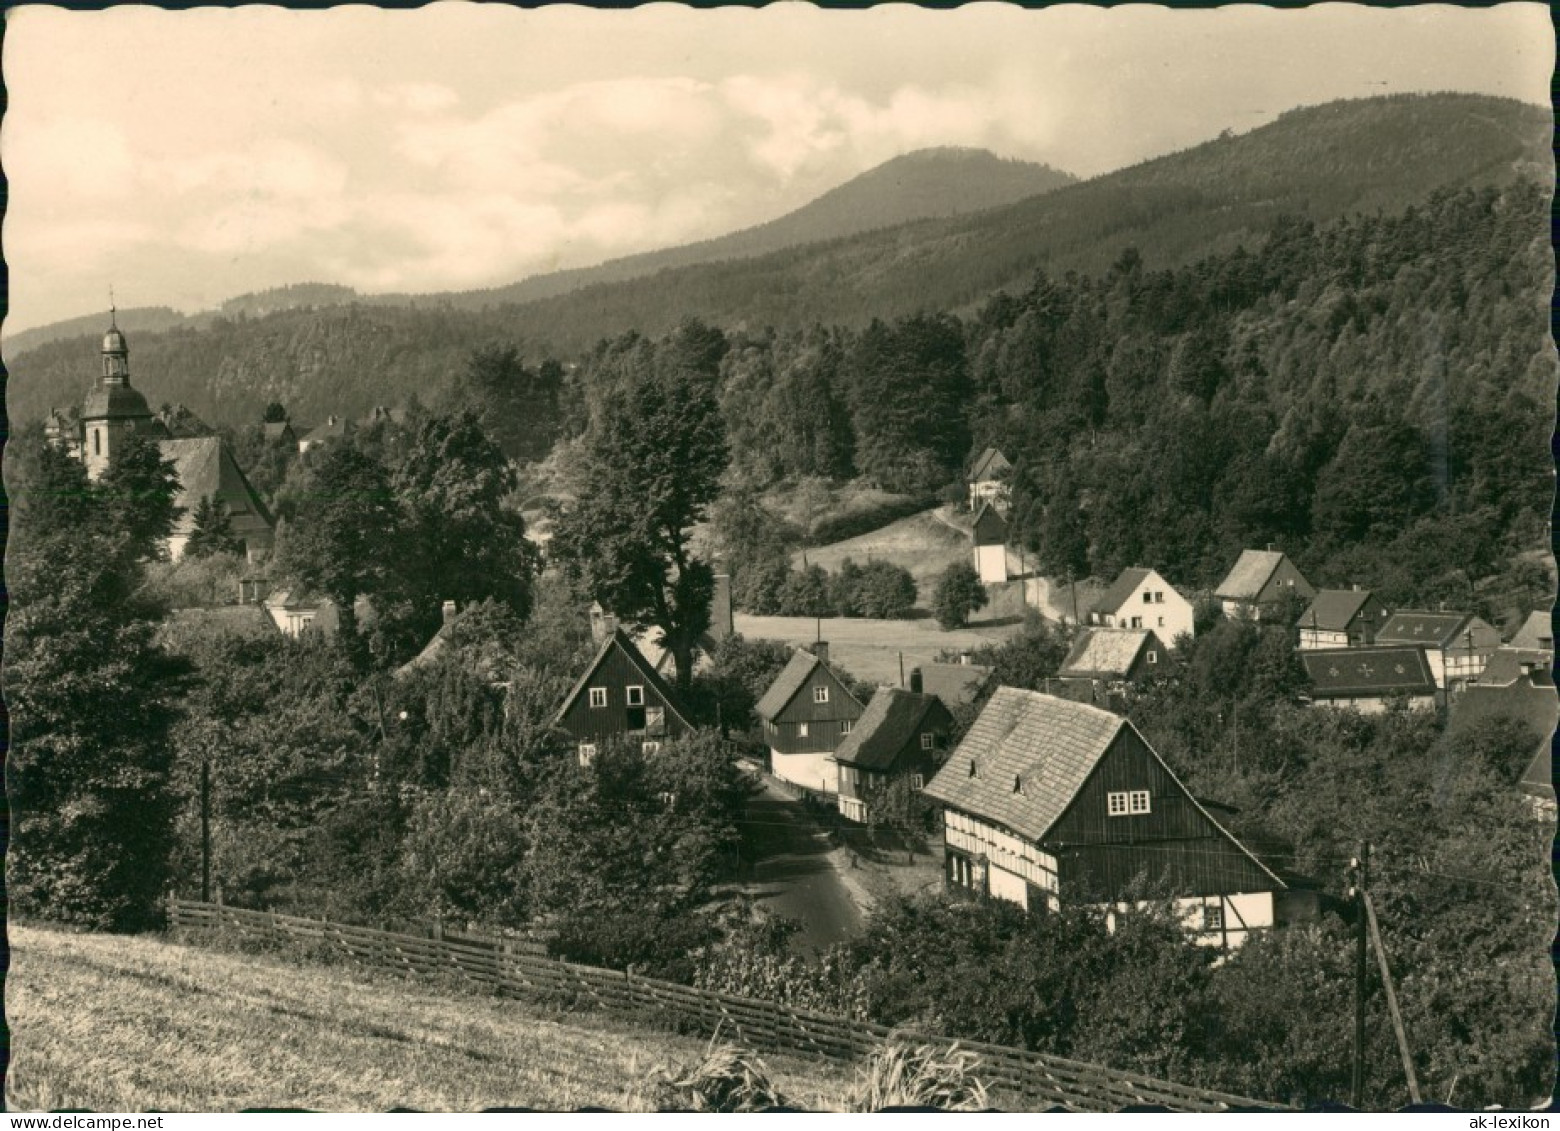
x=1508 y=665
x=1251 y=573
x=1429 y=629
x=989 y=464
x=621 y=641
x=206 y=469
x=792 y=678
x=1105 y=651
x=891 y=719
x=1051 y=744
x=1338 y=673
x=1334 y=610
x=1538 y=631
x=989 y=527
x=954 y=684
x=1118 y=591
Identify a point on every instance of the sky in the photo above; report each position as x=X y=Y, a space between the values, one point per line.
x=190 y=156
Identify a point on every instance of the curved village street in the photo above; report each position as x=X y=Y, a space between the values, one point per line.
x=794 y=875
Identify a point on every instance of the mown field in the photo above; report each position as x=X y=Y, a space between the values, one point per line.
x=922 y=544
x=116 y=1023
x=870 y=649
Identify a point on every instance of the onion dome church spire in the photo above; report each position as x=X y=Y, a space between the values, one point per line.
x=112 y=409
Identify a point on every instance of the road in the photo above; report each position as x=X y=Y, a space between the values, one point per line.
x=793 y=875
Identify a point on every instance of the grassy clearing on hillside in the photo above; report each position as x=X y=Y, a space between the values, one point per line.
x=922 y=544
x=116 y=1023
x=870 y=649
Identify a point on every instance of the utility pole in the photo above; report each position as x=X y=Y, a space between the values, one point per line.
x=1392 y=1003
x=205 y=830
x=1359 y=875
x=901 y=669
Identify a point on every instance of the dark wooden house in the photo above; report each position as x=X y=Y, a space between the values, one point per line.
x=805 y=714
x=1103 y=660
x=621 y=694
x=1051 y=803
x=899 y=735
x=1342 y=618
x=1260 y=583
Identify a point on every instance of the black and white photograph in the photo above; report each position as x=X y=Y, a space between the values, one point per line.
x=724 y=559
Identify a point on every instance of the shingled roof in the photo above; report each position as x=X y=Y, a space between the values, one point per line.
x=890 y=721
x=1251 y=573
x=988 y=465
x=1343 y=673
x=1334 y=610
x=1119 y=590
x=1051 y=745
x=206 y=469
x=954 y=684
x=1428 y=629
x=1105 y=652
x=1538 y=631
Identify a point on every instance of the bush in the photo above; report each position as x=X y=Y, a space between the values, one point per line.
x=959 y=593
x=840 y=527
x=728 y=1079
x=653 y=944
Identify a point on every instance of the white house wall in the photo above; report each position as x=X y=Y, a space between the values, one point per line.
x=991 y=563
x=811 y=770
x=1312 y=638
x=1005 y=885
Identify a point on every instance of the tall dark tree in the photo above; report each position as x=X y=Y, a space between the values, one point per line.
x=138 y=489
x=519 y=406
x=213 y=531
x=275 y=413
x=650 y=466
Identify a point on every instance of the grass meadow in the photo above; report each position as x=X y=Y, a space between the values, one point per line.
x=119 y=1023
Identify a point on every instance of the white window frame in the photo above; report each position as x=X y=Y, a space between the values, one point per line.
x=1116 y=803
x=650 y=746
x=1213 y=917
x=1153 y=656
x=1139 y=802
x=636 y=694
x=1137 y=622
x=821 y=694
x=845 y=726
x=917 y=782
x=587 y=753
x=801 y=730
x=598 y=698
x=928 y=740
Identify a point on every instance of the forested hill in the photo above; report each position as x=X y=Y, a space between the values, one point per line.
x=915 y=186
x=1320 y=163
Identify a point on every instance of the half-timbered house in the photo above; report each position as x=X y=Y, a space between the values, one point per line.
x=1458 y=645
x=901 y=735
x=620 y=694
x=1342 y=618
x=1051 y=803
x=806 y=713
x=1369 y=680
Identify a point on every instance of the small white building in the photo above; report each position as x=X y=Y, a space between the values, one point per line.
x=1140 y=598
x=989 y=535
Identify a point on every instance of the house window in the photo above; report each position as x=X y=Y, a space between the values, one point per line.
x=917 y=782
x=598 y=696
x=636 y=695
x=1138 y=801
x=1148 y=598
x=972 y=767
x=587 y=753
x=1159 y=597
x=1137 y=622
x=1161 y=622
x=1213 y=917
x=820 y=695
x=97 y=442
x=655 y=720
x=1123 y=803
x=649 y=748
x=928 y=742
x=1153 y=656
x=801 y=730
x=1116 y=803
x=844 y=726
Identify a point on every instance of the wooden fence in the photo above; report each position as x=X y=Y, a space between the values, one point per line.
x=514 y=966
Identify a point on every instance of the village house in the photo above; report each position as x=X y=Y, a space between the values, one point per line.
x=333 y=428
x=1105 y=660
x=1370 y=679
x=901 y=735
x=620 y=694
x=988 y=479
x=1458 y=645
x=957 y=685
x=205 y=467
x=989 y=536
x=1052 y=803
x=1518 y=683
x=806 y=713
x=1342 y=618
x=1260 y=584
x=1536 y=633
x=1140 y=598
x=296 y=613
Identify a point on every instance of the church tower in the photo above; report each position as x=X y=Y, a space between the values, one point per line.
x=112 y=409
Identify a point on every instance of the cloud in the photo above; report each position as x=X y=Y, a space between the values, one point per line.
x=275 y=168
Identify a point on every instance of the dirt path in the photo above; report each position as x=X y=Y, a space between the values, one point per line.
x=799 y=874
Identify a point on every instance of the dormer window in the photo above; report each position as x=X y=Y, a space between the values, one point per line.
x=972 y=767
x=1018 y=784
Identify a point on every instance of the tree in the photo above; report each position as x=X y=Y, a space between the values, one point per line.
x=213 y=531
x=275 y=413
x=91 y=696
x=959 y=593
x=805 y=593
x=341 y=541
x=886 y=591
x=138 y=489
x=651 y=465
x=518 y=405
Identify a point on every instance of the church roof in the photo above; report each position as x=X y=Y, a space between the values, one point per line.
x=115 y=402
x=206 y=469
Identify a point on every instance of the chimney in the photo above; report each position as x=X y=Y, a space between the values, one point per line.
x=602 y=623
x=821 y=650
x=449 y=611
x=915 y=680
x=721 y=622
